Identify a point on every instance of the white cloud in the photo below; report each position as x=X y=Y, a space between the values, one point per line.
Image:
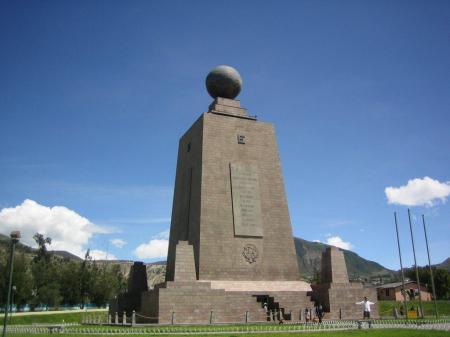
x=316 y=241
x=155 y=248
x=119 y=243
x=97 y=254
x=338 y=242
x=418 y=192
x=69 y=230
x=162 y=235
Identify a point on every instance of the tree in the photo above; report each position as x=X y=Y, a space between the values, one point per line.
x=85 y=278
x=69 y=280
x=316 y=276
x=107 y=282
x=3 y=273
x=42 y=252
x=441 y=280
x=22 y=280
x=45 y=275
x=442 y=283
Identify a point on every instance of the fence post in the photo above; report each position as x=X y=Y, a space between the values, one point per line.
x=116 y=318
x=109 y=318
x=133 y=318
x=340 y=313
x=173 y=317
x=246 y=317
x=124 y=318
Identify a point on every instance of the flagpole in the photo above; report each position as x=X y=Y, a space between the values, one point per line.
x=415 y=264
x=401 y=268
x=431 y=270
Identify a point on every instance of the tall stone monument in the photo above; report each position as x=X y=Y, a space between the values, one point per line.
x=231 y=254
x=231 y=247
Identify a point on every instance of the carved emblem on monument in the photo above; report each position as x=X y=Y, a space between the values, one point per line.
x=250 y=253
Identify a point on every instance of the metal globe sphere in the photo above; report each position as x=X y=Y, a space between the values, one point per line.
x=223 y=81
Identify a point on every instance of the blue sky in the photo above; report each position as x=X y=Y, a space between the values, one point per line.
x=95 y=95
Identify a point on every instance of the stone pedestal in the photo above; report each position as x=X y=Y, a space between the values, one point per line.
x=336 y=294
x=187 y=300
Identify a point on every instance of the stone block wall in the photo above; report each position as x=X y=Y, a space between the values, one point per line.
x=184 y=262
x=334 y=268
x=193 y=302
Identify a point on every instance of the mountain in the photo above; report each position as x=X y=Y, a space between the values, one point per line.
x=444 y=265
x=22 y=248
x=309 y=256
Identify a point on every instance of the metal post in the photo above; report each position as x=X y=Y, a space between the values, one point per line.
x=12 y=303
x=405 y=304
x=15 y=236
x=415 y=264
x=429 y=265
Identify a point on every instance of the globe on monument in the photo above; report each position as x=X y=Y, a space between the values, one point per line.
x=223 y=81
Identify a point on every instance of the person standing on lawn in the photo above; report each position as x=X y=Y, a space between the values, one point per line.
x=366 y=304
x=319 y=312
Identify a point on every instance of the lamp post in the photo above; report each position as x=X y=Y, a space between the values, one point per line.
x=15 y=237
x=14 y=288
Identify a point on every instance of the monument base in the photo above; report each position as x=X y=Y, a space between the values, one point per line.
x=338 y=300
x=203 y=302
x=336 y=294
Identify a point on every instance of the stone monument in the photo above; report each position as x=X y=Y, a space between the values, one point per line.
x=231 y=255
x=336 y=294
x=231 y=247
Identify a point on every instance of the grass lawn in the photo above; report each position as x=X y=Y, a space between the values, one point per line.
x=357 y=333
x=386 y=307
x=60 y=317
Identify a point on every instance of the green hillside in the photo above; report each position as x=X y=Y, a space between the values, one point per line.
x=444 y=265
x=309 y=255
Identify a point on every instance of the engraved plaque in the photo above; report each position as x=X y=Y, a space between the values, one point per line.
x=246 y=200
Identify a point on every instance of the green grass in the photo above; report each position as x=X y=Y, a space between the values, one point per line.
x=386 y=307
x=358 y=333
x=67 y=317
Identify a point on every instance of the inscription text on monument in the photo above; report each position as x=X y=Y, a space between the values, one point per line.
x=246 y=200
